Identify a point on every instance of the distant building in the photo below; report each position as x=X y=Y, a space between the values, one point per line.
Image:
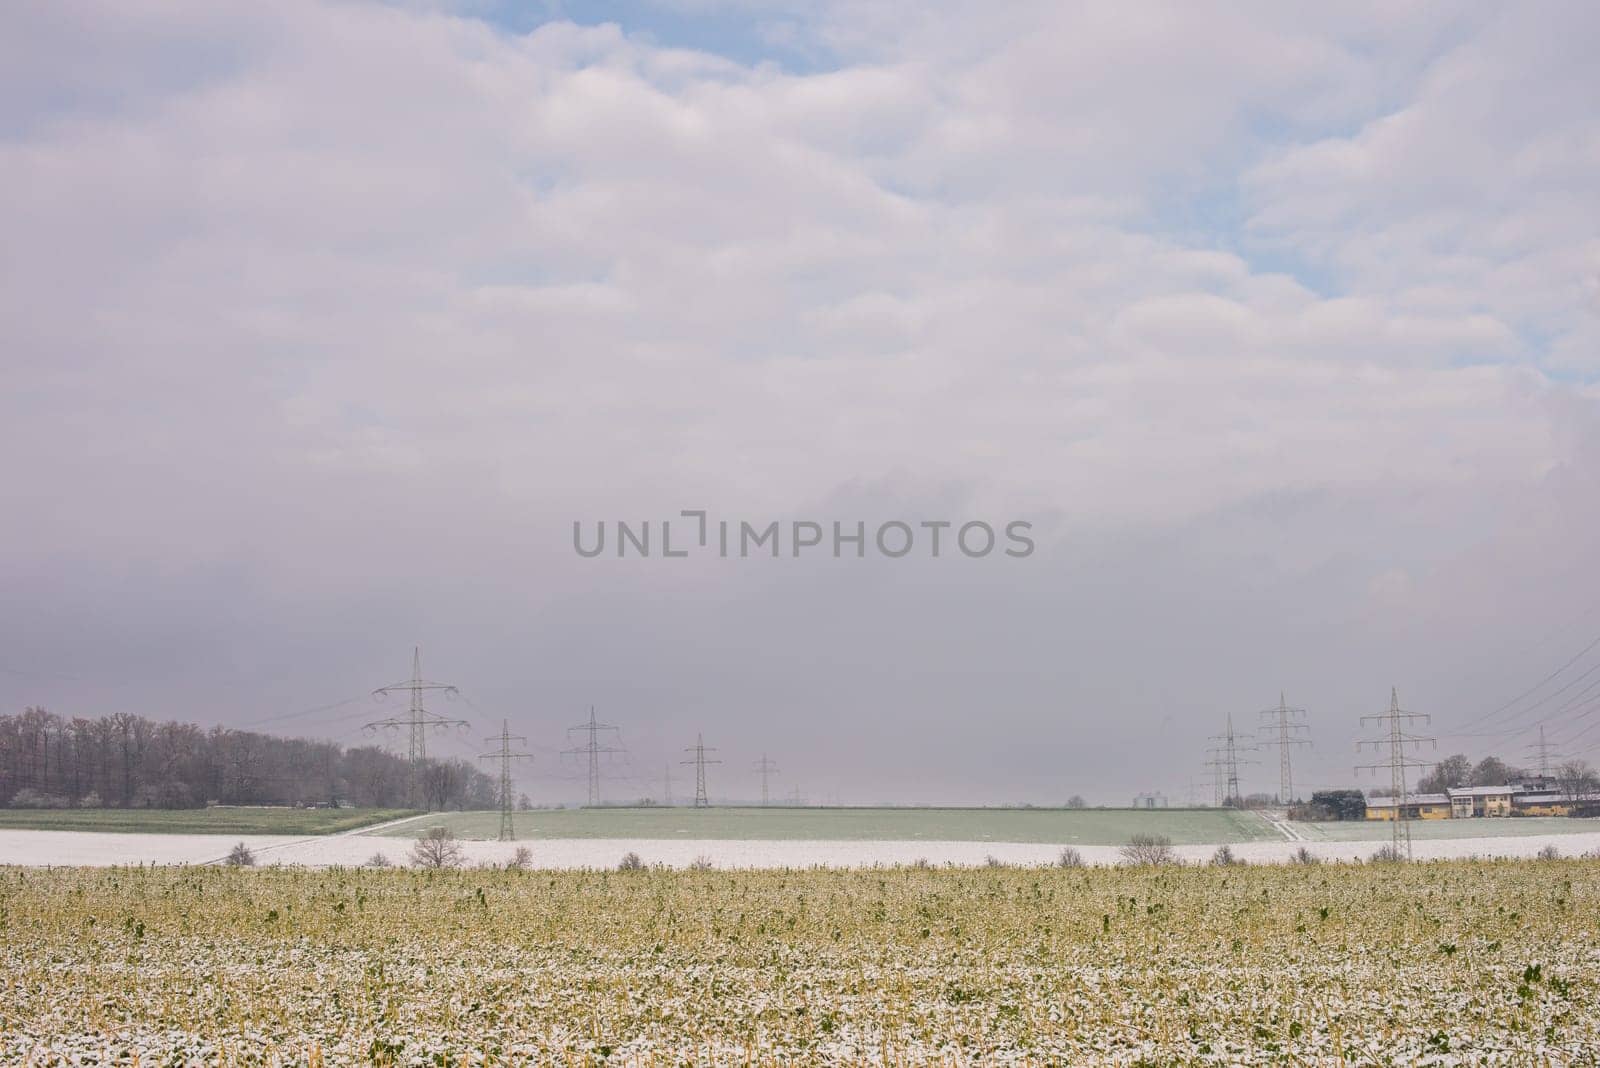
x=1418 y=807
x=1155 y=800
x=1467 y=801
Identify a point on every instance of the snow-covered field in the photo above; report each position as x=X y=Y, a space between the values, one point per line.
x=41 y=848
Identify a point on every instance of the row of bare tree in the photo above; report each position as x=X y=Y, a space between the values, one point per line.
x=129 y=761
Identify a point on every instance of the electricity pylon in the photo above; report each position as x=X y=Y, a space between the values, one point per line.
x=1397 y=738
x=1219 y=776
x=417 y=719
x=699 y=750
x=1542 y=749
x=1285 y=733
x=593 y=747
x=1232 y=744
x=505 y=755
x=766 y=768
x=666 y=783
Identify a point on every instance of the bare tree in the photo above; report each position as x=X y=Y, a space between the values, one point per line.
x=1576 y=780
x=1149 y=849
x=438 y=848
x=240 y=857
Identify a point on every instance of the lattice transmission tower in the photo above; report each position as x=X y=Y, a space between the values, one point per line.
x=767 y=768
x=1233 y=743
x=417 y=719
x=1396 y=737
x=1285 y=730
x=699 y=749
x=505 y=754
x=593 y=748
x=1542 y=751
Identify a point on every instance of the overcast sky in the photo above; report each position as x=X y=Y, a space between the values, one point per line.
x=320 y=325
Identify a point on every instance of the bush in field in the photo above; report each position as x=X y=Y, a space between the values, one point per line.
x=1070 y=858
x=1224 y=858
x=240 y=857
x=1305 y=856
x=378 y=860
x=91 y=800
x=1550 y=852
x=701 y=863
x=1389 y=854
x=630 y=862
x=437 y=848
x=1149 y=849
x=28 y=797
x=992 y=861
x=521 y=860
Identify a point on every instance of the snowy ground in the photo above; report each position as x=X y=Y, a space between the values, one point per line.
x=41 y=848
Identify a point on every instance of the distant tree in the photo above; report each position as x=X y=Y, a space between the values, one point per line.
x=1305 y=856
x=378 y=860
x=1492 y=771
x=1070 y=858
x=1224 y=858
x=1549 y=852
x=1447 y=774
x=1149 y=849
x=1339 y=804
x=436 y=848
x=701 y=863
x=240 y=857
x=521 y=860
x=1576 y=780
x=524 y=802
x=630 y=862
x=1077 y=801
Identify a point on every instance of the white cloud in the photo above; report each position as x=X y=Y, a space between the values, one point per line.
x=331 y=293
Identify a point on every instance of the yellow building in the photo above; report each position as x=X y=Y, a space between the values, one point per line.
x=1418 y=807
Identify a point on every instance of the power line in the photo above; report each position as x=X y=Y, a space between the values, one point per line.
x=1397 y=738
x=506 y=755
x=1283 y=724
x=593 y=748
x=699 y=750
x=1534 y=688
x=766 y=768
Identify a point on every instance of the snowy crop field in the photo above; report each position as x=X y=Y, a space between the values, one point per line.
x=1471 y=962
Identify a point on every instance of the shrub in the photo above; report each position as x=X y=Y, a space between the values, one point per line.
x=1305 y=856
x=1149 y=849
x=240 y=857
x=921 y=864
x=992 y=861
x=1389 y=854
x=1550 y=852
x=701 y=863
x=436 y=848
x=1224 y=858
x=378 y=860
x=1070 y=858
x=91 y=800
x=630 y=862
x=521 y=860
x=28 y=797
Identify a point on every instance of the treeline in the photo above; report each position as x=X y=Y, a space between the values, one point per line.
x=128 y=761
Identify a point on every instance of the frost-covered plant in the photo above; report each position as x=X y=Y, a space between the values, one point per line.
x=1149 y=850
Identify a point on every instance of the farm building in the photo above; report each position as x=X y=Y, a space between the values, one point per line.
x=1418 y=807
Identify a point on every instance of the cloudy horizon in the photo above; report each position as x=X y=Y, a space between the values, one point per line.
x=324 y=323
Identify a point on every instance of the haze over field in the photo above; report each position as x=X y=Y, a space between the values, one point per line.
x=321 y=324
